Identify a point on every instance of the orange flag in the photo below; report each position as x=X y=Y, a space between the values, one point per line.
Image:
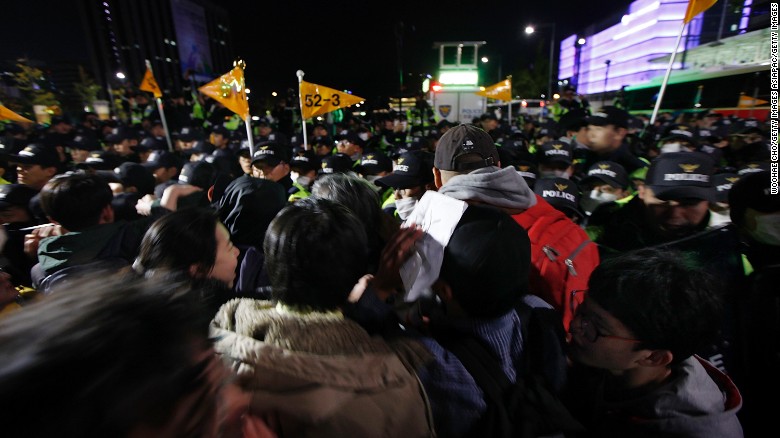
x=696 y=7
x=500 y=91
x=150 y=84
x=317 y=99
x=229 y=90
x=6 y=114
x=747 y=101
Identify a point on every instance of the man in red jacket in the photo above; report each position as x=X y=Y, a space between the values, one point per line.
x=467 y=167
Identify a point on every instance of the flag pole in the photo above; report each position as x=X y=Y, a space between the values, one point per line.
x=240 y=63
x=300 y=74
x=666 y=76
x=162 y=113
x=509 y=104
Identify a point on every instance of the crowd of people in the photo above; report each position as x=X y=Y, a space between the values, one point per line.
x=194 y=283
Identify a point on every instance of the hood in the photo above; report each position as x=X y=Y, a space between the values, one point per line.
x=75 y=248
x=248 y=206
x=491 y=185
x=700 y=402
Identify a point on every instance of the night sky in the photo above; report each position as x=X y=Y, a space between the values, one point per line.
x=341 y=44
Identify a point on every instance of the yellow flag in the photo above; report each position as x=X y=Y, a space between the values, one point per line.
x=500 y=91
x=696 y=7
x=747 y=102
x=150 y=84
x=6 y=114
x=317 y=100
x=229 y=90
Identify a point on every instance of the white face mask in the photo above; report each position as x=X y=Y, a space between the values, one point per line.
x=303 y=180
x=767 y=229
x=602 y=197
x=294 y=175
x=405 y=206
x=372 y=178
x=671 y=147
x=363 y=136
x=718 y=218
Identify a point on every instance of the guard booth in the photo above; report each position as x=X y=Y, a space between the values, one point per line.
x=452 y=93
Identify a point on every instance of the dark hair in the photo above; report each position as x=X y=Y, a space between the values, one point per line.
x=662 y=296
x=315 y=252
x=105 y=356
x=179 y=240
x=75 y=199
x=486 y=262
x=360 y=198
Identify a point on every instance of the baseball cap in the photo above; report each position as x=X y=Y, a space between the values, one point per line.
x=305 y=160
x=753 y=191
x=37 y=153
x=271 y=153
x=555 y=151
x=678 y=175
x=198 y=173
x=16 y=195
x=608 y=172
x=336 y=163
x=220 y=130
x=373 y=163
x=679 y=132
x=528 y=171
x=561 y=193
x=187 y=133
x=136 y=175
x=158 y=159
x=609 y=115
x=322 y=140
x=465 y=148
x=151 y=144
x=412 y=169
x=753 y=167
x=119 y=134
x=750 y=125
x=723 y=183
x=85 y=143
x=202 y=147
x=102 y=160
x=351 y=137
x=573 y=120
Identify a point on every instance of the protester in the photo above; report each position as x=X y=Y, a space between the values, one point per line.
x=305 y=364
x=127 y=356
x=466 y=167
x=246 y=208
x=635 y=374
x=79 y=204
x=190 y=243
x=359 y=196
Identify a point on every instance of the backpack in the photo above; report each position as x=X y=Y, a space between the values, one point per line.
x=562 y=256
x=530 y=407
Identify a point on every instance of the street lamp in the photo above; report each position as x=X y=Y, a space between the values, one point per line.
x=606 y=78
x=530 y=29
x=577 y=58
x=486 y=60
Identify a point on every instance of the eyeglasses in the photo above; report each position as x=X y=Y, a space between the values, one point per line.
x=586 y=328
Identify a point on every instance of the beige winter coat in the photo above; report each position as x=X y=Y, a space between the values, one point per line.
x=319 y=374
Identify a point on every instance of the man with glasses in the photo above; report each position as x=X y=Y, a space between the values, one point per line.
x=633 y=341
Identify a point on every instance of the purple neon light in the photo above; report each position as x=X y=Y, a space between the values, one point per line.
x=630 y=53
